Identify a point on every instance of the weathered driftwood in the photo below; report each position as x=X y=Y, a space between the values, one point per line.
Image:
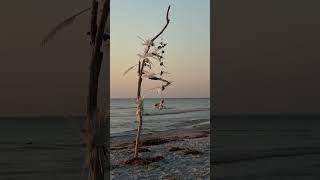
x=96 y=155
x=93 y=132
x=139 y=98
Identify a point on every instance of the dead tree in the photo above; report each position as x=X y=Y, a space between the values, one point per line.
x=96 y=151
x=93 y=132
x=146 y=62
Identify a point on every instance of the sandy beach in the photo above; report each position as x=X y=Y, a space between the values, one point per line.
x=177 y=154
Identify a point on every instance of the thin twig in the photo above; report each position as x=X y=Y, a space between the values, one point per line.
x=61 y=26
x=154 y=38
x=168 y=20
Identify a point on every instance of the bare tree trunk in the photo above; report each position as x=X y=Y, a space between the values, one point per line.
x=136 y=148
x=96 y=159
x=139 y=115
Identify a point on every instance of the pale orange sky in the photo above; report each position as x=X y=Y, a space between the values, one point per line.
x=187 y=55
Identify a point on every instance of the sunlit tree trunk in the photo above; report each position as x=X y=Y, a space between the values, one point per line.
x=139 y=110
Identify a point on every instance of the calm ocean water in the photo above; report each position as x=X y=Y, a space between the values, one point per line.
x=180 y=113
x=40 y=148
x=266 y=147
x=49 y=147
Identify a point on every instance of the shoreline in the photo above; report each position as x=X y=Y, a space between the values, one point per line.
x=180 y=154
x=196 y=131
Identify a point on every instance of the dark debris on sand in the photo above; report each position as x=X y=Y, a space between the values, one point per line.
x=193 y=152
x=176 y=149
x=204 y=134
x=144 y=150
x=143 y=161
x=157 y=141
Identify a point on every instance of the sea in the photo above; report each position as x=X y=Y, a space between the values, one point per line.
x=179 y=113
x=49 y=147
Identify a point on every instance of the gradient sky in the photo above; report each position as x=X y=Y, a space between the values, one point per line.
x=187 y=54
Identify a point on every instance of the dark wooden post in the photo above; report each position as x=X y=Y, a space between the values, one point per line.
x=96 y=159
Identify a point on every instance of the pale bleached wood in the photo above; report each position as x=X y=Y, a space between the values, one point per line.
x=140 y=70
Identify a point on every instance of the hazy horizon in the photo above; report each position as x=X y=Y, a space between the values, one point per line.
x=164 y=98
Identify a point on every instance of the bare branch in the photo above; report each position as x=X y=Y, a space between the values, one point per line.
x=155 y=37
x=61 y=25
x=168 y=20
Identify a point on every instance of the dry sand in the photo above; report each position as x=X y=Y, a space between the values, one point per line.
x=181 y=154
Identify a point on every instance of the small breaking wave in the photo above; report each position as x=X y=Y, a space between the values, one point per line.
x=120 y=107
x=163 y=112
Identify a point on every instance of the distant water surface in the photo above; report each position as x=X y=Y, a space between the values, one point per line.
x=180 y=113
x=266 y=147
x=40 y=148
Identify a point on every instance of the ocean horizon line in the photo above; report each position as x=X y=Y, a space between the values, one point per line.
x=163 y=98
